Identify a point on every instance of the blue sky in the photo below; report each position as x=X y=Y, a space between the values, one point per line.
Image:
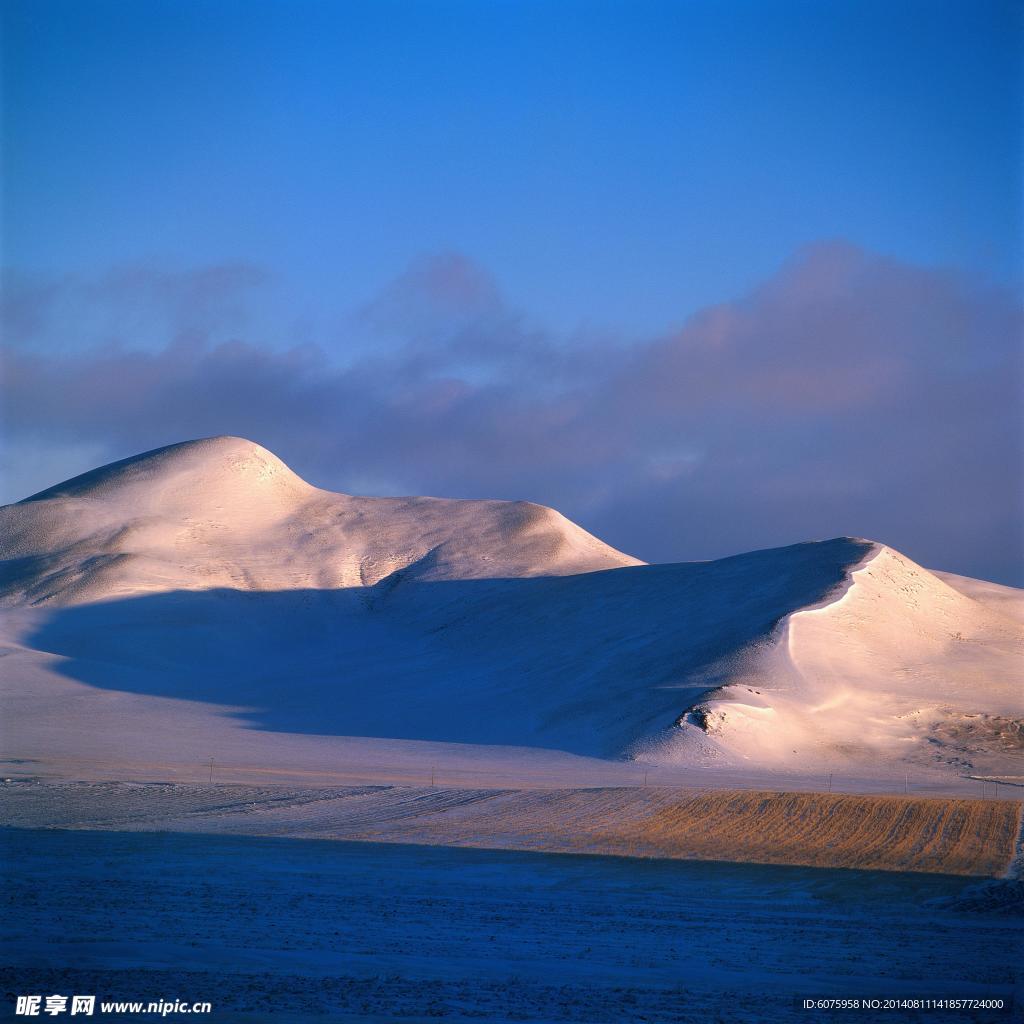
x=618 y=164
x=350 y=179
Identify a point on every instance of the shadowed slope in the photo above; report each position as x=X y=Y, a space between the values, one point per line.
x=208 y=572
x=584 y=663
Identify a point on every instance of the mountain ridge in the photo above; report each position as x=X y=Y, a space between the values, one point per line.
x=209 y=574
x=224 y=511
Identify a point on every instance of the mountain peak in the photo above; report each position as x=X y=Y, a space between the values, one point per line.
x=205 y=461
x=223 y=512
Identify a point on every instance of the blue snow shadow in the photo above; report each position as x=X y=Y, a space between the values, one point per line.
x=578 y=663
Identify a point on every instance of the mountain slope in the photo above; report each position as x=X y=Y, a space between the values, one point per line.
x=224 y=512
x=204 y=595
x=898 y=665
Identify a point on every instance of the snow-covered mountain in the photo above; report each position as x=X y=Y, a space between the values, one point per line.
x=224 y=512
x=207 y=580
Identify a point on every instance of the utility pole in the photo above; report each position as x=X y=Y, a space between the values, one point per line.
x=431 y=776
x=211 y=771
x=830 y=782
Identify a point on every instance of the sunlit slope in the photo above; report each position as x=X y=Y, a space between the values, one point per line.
x=1008 y=601
x=898 y=667
x=224 y=512
x=209 y=573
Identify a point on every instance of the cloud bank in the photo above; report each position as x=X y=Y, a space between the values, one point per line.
x=849 y=394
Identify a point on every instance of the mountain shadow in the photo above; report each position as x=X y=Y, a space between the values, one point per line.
x=585 y=663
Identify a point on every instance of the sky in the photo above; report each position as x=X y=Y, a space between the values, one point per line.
x=705 y=276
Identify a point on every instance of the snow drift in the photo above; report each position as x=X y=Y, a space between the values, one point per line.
x=207 y=577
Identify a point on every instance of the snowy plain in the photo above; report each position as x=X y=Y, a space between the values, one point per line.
x=283 y=930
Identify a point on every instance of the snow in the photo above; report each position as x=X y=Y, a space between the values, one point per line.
x=898 y=668
x=287 y=929
x=199 y=650
x=203 y=601
x=224 y=512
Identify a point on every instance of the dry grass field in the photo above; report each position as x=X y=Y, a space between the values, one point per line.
x=889 y=833
x=960 y=837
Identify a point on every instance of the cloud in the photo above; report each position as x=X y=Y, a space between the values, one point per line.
x=848 y=394
x=436 y=296
x=138 y=305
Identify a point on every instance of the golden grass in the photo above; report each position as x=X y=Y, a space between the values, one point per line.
x=891 y=833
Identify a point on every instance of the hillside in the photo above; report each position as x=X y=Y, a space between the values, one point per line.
x=899 y=665
x=203 y=598
x=224 y=512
